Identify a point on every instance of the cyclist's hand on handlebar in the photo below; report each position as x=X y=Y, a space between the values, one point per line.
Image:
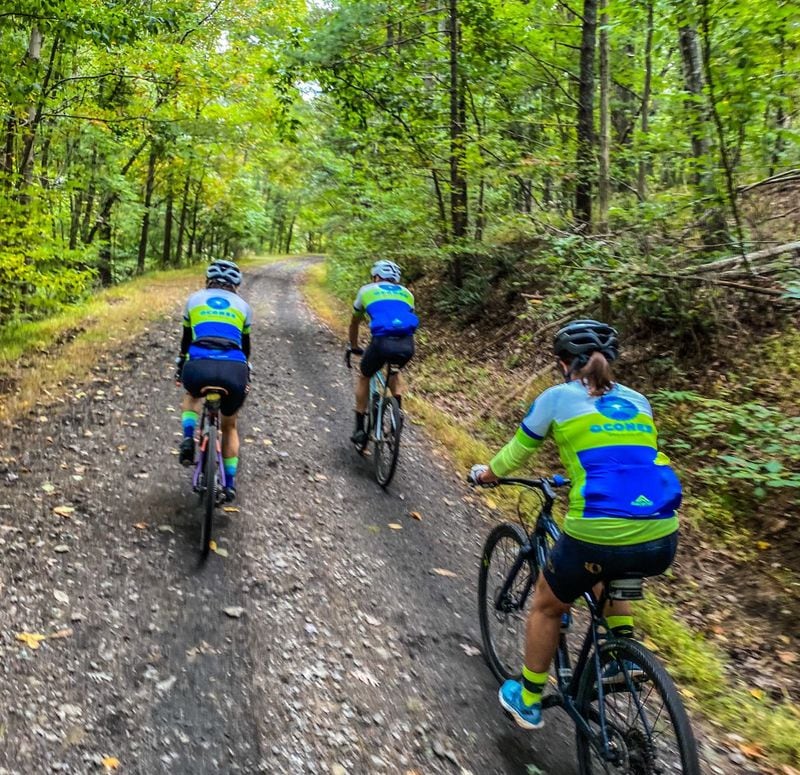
x=478 y=476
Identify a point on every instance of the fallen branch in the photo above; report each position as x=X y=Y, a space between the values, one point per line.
x=788 y=176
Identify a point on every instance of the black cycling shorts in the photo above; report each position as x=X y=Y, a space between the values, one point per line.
x=574 y=567
x=397 y=350
x=233 y=376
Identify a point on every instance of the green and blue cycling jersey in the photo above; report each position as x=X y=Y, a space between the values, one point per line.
x=218 y=320
x=623 y=489
x=390 y=308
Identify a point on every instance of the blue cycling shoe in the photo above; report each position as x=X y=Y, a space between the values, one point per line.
x=526 y=716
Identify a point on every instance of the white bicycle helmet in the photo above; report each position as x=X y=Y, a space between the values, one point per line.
x=386 y=270
x=223 y=271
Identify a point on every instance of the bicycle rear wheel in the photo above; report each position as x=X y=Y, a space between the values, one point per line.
x=503 y=619
x=387 y=441
x=210 y=493
x=647 y=726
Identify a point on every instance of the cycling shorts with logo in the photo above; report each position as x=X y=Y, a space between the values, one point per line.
x=232 y=376
x=397 y=350
x=574 y=567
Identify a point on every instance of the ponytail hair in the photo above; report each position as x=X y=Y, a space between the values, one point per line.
x=596 y=374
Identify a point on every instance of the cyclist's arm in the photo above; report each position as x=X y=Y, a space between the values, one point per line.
x=186 y=340
x=528 y=438
x=246 y=345
x=355 y=322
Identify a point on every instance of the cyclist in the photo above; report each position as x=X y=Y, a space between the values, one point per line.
x=622 y=503
x=392 y=322
x=214 y=352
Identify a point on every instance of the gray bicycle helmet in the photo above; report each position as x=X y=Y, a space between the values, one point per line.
x=386 y=270
x=576 y=341
x=223 y=271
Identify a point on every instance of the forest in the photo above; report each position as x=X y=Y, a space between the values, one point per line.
x=617 y=146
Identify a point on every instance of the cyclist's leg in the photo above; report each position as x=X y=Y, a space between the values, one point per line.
x=372 y=360
x=234 y=378
x=190 y=408
x=401 y=352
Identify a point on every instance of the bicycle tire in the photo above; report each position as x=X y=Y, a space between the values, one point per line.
x=387 y=446
x=210 y=494
x=499 y=658
x=641 y=752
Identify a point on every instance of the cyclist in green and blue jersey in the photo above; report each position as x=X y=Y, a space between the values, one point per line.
x=214 y=352
x=392 y=323
x=623 y=498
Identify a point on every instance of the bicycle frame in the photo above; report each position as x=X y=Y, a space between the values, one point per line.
x=567 y=678
x=379 y=385
x=210 y=416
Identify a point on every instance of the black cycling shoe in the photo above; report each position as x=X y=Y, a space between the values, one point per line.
x=186 y=455
x=359 y=437
x=230 y=494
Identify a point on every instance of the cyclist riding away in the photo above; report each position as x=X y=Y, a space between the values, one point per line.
x=214 y=352
x=392 y=323
x=622 y=503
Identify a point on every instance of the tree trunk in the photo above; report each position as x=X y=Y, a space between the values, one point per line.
x=166 y=253
x=289 y=235
x=458 y=111
x=585 y=123
x=715 y=232
x=33 y=57
x=8 y=150
x=603 y=180
x=104 y=265
x=183 y=218
x=148 y=199
x=641 y=183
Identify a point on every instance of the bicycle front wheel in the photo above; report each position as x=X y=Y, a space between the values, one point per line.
x=387 y=441
x=503 y=615
x=647 y=728
x=210 y=494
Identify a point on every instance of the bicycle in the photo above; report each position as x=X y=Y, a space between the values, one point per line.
x=383 y=422
x=208 y=479
x=608 y=690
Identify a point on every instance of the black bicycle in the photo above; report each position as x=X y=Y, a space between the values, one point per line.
x=383 y=423
x=627 y=711
x=208 y=480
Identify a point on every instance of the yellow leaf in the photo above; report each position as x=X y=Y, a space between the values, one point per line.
x=231 y=509
x=394 y=526
x=415 y=515
x=31 y=639
x=763 y=545
x=752 y=751
x=220 y=550
x=141 y=525
x=64 y=511
x=757 y=693
x=444 y=572
x=65 y=633
x=212 y=545
x=490 y=503
x=110 y=763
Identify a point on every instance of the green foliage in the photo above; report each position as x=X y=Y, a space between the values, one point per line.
x=747 y=450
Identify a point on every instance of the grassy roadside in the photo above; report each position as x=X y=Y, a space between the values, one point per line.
x=37 y=357
x=770 y=731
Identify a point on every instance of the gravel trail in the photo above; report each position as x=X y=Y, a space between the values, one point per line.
x=349 y=654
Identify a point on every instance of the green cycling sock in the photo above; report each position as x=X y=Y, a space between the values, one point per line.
x=532 y=686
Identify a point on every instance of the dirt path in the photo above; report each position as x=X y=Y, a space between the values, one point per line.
x=349 y=650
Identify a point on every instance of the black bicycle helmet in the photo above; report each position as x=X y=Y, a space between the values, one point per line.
x=576 y=341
